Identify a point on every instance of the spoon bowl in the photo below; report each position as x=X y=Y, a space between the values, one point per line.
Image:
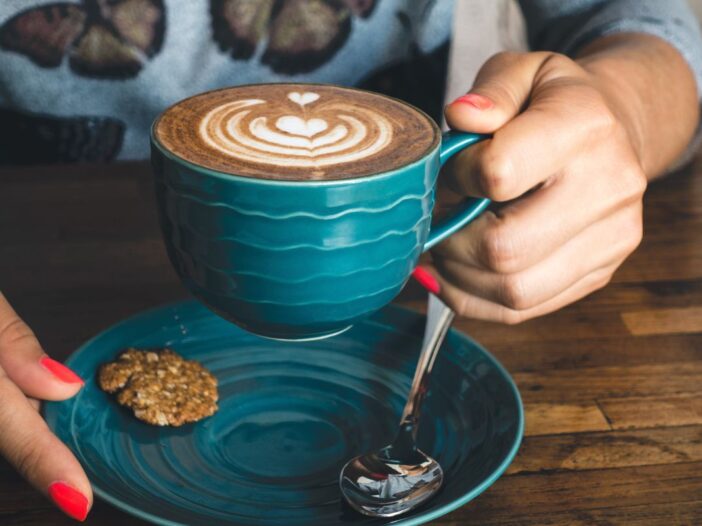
x=380 y=484
x=399 y=477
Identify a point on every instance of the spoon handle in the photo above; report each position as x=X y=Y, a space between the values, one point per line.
x=439 y=318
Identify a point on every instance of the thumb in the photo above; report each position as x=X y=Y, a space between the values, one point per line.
x=501 y=90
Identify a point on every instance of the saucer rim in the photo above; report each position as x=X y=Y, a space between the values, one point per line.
x=51 y=409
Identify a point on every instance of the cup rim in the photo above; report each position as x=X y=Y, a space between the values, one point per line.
x=294 y=182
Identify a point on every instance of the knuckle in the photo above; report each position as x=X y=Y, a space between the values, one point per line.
x=506 y=56
x=15 y=331
x=556 y=66
x=635 y=182
x=499 y=60
x=627 y=184
x=460 y=305
x=602 y=281
x=602 y=119
x=555 y=62
x=511 y=317
x=605 y=280
x=496 y=173
x=632 y=231
x=24 y=446
x=601 y=122
x=464 y=307
x=8 y=411
x=29 y=457
x=498 y=248
x=513 y=293
x=6 y=388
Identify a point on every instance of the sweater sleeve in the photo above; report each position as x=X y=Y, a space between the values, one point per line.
x=565 y=27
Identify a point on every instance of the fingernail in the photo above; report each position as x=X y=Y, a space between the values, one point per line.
x=60 y=371
x=426 y=280
x=69 y=500
x=477 y=101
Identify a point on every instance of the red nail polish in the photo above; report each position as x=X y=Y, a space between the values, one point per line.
x=60 y=371
x=426 y=280
x=477 y=101
x=69 y=500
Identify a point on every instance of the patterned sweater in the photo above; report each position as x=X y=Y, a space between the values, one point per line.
x=82 y=80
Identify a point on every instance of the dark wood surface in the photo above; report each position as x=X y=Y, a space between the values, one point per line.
x=612 y=385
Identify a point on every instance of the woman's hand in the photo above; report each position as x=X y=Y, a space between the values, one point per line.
x=28 y=375
x=566 y=165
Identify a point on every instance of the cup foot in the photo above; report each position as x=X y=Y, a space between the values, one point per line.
x=312 y=338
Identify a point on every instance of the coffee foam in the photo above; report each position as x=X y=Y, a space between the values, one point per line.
x=296 y=132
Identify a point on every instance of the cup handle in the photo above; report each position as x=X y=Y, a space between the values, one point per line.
x=452 y=143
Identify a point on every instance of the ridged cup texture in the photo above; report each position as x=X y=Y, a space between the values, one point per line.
x=294 y=259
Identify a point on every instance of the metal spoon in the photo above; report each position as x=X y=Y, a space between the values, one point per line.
x=399 y=477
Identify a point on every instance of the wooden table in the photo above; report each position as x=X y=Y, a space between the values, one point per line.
x=612 y=385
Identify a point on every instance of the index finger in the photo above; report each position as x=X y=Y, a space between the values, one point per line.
x=28 y=444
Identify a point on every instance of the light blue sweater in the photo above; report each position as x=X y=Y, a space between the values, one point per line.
x=83 y=80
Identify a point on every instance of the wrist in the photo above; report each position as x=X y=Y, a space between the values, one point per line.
x=651 y=90
x=622 y=97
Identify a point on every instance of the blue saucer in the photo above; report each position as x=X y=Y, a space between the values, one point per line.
x=291 y=415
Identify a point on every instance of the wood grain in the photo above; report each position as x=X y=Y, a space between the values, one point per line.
x=612 y=449
x=551 y=419
x=530 y=498
x=569 y=385
x=612 y=385
x=596 y=352
x=664 y=321
x=627 y=413
x=679 y=514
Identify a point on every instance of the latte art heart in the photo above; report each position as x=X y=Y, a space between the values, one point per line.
x=319 y=135
x=298 y=126
x=296 y=132
x=303 y=98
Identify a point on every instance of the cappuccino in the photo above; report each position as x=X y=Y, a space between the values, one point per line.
x=296 y=132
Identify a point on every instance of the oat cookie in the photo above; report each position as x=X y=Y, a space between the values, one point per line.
x=160 y=387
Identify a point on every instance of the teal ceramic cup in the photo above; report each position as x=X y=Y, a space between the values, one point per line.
x=301 y=259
